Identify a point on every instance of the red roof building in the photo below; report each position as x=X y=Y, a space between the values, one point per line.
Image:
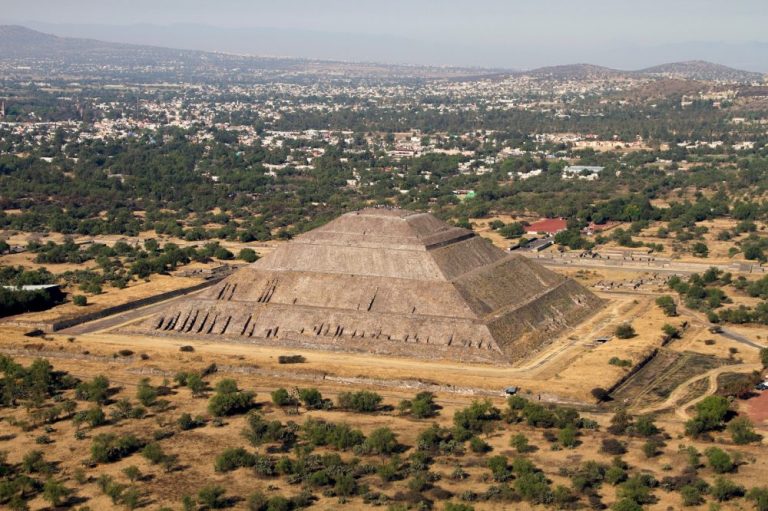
x=547 y=226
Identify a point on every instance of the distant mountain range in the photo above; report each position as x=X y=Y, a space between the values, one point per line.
x=690 y=70
x=17 y=42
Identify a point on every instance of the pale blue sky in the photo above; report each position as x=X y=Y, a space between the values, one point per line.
x=532 y=31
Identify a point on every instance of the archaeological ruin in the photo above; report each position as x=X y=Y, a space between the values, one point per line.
x=391 y=282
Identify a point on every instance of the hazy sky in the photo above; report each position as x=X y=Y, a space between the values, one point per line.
x=543 y=27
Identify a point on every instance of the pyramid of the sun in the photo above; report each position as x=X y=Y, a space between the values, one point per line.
x=391 y=282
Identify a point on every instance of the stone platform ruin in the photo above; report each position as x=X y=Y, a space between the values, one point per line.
x=391 y=282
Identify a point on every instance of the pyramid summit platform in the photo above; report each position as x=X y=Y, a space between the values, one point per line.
x=391 y=282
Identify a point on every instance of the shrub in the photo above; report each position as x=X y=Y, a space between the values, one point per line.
x=421 y=407
x=691 y=495
x=282 y=397
x=612 y=446
x=291 y=359
x=616 y=361
x=248 y=255
x=146 y=393
x=499 y=466
x=187 y=349
x=80 y=300
x=568 y=437
x=211 y=497
x=670 y=331
x=361 y=401
x=108 y=447
x=743 y=431
x=55 y=492
x=600 y=394
x=520 y=443
x=153 y=452
x=453 y=506
x=719 y=460
x=710 y=413
x=759 y=496
x=478 y=417
x=477 y=445
x=380 y=441
x=651 y=448
x=97 y=390
x=186 y=422
x=234 y=458
x=725 y=489
x=667 y=304
x=311 y=398
x=625 y=331
x=229 y=400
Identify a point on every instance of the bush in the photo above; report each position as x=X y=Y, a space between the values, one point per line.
x=667 y=304
x=234 y=458
x=146 y=393
x=499 y=466
x=291 y=359
x=725 y=489
x=153 y=452
x=248 y=255
x=97 y=390
x=361 y=401
x=80 y=300
x=187 y=349
x=616 y=361
x=311 y=398
x=229 y=400
x=108 y=447
x=600 y=394
x=719 y=460
x=625 y=331
x=691 y=495
x=211 y=497
x=520 y=443
x=186 y=422
x=380 y=441
x=282 y=397
x=710 y=414
x=568 y=437
x=478 y=445
x=743 y=431
x=421 y=407
x=651 y=448
x=612 y=446
x=760 y=498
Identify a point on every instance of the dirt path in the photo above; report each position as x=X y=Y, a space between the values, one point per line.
x=679 y=392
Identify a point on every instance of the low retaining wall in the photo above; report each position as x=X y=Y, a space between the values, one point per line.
x=55 y=326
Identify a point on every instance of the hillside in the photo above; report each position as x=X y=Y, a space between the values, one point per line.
x=701 y=70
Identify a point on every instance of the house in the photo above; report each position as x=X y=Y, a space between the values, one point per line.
x=547 y=226
x=588 y=172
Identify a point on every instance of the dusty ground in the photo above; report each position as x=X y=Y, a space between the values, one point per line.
x=197 y=448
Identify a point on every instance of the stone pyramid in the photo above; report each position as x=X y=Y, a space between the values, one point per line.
x=386 y=281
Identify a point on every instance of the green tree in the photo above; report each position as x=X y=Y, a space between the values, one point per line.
x=667 y=304
x=248 y=255
x=55 y=492
x=719 y=460
x=743 y=431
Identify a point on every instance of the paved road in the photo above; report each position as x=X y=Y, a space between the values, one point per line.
x=637 y=266
x=122 y=317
